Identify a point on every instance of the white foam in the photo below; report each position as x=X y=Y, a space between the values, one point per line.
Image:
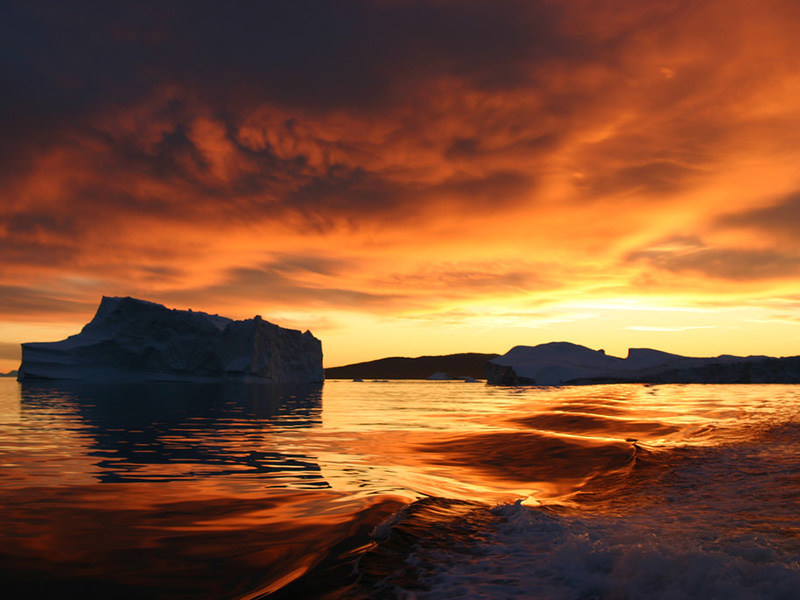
x=538 y=555
x=721 y=523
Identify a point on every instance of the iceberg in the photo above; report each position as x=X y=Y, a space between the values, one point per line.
x=563 y=363
x=136 y=339
x=443 y=376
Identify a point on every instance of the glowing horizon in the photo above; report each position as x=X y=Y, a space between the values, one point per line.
x=407 y=178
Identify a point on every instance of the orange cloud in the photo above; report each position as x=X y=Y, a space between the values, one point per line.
x=399 y=159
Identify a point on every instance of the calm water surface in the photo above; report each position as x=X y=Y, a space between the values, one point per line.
x=399 y=489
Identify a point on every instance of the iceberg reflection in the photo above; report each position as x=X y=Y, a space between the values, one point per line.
x=177 y=431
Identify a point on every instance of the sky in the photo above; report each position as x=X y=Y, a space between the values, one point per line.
x=407 y=178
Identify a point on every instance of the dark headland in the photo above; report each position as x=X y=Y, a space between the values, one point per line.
x=564 y=363
x=469 y=364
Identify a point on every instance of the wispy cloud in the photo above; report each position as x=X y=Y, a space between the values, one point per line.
x=666 y=329
x=736 y=264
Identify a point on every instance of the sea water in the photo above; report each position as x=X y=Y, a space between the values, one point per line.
x=399 y=489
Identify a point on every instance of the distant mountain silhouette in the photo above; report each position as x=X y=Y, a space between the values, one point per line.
x=470 y=364
x=564 y=363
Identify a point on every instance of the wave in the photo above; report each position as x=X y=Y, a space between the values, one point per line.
x=554 y=465
x=592 y=424
x=710 y=522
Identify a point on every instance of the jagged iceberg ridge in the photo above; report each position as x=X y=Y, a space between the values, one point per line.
x=563 y=363
x=136 y=339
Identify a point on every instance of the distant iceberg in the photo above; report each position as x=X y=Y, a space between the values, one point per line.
x=563 y=363
x=135 y=339
x=441 y=376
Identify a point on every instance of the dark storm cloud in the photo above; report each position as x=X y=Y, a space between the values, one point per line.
x=208 y=150
x=65 y=63
x=119 y=88
x=360 y=193
x=66 y=56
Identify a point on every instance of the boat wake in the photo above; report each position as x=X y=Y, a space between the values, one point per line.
x=687 y=523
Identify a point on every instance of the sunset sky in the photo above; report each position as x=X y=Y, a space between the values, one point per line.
x=408 y=178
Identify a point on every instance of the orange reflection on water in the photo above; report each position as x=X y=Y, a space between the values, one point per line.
x=498 y=444
x=201 y=492
x=158 y=544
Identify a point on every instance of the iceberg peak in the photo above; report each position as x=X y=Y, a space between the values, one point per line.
x=130 y=338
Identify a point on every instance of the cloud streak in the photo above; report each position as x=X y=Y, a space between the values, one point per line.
x=735 y=264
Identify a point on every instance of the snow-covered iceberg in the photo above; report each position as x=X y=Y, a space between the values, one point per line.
x=562 y=363
x=136 y=339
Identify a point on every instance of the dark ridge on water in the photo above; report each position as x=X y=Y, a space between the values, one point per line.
x=504 y=455
x=337 y=577
x=375 y=564
x=424 y=527
x=470 y=364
